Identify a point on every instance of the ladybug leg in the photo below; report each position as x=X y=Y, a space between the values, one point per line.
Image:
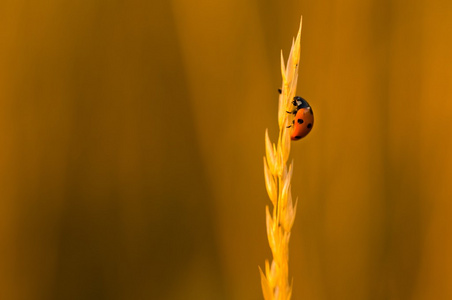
x=292 y=112
x=293 y=122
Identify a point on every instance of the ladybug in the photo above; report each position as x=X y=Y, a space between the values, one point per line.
x=304 y=118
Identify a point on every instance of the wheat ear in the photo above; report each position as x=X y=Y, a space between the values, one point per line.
x=275 y=281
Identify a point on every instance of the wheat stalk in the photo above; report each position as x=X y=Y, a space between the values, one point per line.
x=275 y=281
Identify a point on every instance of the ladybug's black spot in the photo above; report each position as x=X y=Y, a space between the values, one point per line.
x=298 y=137
x=300 y=121
x=310 y=125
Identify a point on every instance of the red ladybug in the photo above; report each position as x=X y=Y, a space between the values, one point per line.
x=304 y=118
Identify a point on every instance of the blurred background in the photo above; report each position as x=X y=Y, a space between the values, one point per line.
x=132 y=137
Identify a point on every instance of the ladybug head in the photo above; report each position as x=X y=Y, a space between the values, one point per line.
x=300 y=102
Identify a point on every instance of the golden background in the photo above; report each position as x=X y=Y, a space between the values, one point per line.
x=132 y=137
